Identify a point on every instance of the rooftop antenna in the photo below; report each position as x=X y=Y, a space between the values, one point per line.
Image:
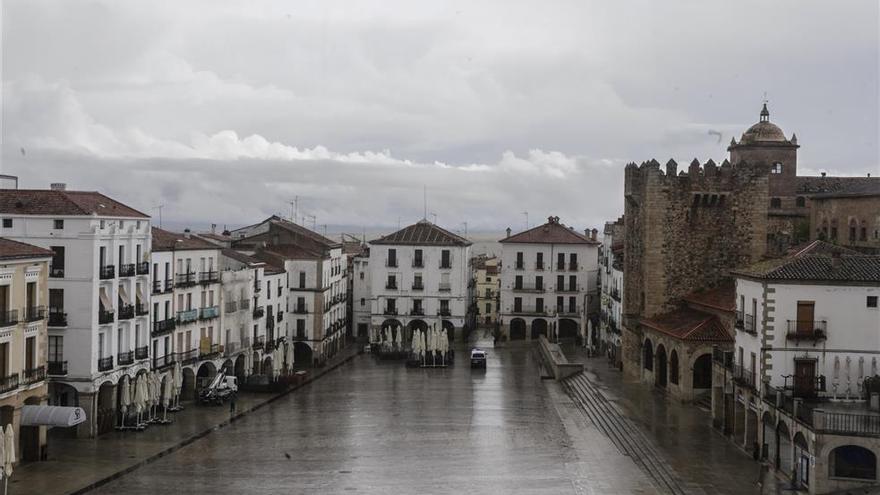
x=159 y=207
x=294 y=208
x=424 y=202
x=325 y=229
x=435 y=217
x=465 y=228
x=398 y=223
x=527 y=219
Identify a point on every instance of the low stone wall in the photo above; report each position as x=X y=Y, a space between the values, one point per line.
x=556 y=361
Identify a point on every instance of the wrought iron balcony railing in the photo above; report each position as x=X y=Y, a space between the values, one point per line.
x=35 y=313
x=188 y=356
x=8 y=318
x=160 y=362
x=34 y=375
x=58 y=368
x=105 y=364
x=445 y=287
x=209 y=312
x=126 y=311
x=141 y=309
x=210 y=277
x=8 y=383
x=187 y=316
x=106 y=316
x=162 y=327
x=107 y=272
x=142 y=352
x=124 y=358
x=259 y=312
x=143 y=268
x=187 y=279
x=56 y=272
x=127 y=270
x=231 y=307
x=390 y=311
x=807 y=330
x=528 y=288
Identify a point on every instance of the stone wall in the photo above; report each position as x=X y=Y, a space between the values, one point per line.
x=862 y=212
x=684 y=232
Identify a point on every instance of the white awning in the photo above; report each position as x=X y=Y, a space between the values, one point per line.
x=123 y=294
x=52 y=416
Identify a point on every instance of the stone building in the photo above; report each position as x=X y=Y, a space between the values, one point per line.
x=488 y=284
x=611 y=286
x=850 y=218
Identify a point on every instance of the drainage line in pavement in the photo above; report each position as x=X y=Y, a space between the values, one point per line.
x=202 y=434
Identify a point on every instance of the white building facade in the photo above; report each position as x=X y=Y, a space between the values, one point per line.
x=611 y=285
x=361 y=295
x=419 y=278
x=549 y=280
x=99 y=294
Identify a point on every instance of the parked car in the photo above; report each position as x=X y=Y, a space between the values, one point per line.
x=478 y=358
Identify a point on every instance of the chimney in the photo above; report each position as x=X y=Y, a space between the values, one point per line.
x=186 y=233
x=593 y=234
x=213 y=228
x=508 y=232
x=58 y=186
x=823 y=174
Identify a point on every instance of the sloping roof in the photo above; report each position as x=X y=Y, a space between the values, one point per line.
x=164 y=240
x=214 y=236
x=240 y=257
x=689 y=325
x=818 y=262
x=422 y=233
x=274 y=262
x=831 y=186
x=299 y=229
x=855 y=189
x=722 y=297
x=12 y=250
x=63 y=203
x=552 y=232
x=291 y=251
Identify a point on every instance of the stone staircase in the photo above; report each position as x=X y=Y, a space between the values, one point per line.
x=623 y=433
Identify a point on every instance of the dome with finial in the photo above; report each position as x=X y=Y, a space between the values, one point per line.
x=764 y=131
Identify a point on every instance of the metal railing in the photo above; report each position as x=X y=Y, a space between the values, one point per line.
x=807 y=330
x=107 y=272
x=106 y=316
x=743 y=376
x=845 y=423
x=143 y=268
x=8 y=383
x=8 y=318
x=259 y=342
x=56 y=272
x=231 y=307
x=573 y=266
x=209 y=277
x=105 y=364
x=141 y=309
x=259 y=312
x=418 y=286
x=519 y=265
x=142 y=352
x=301 y=310
x=391 y=263
x=127 y=270
x=125 y=358
x=568 y=310
x=528 y=288
x=417 y=263
x=187 y=316
x=165 y=361
x=749 y=324
x=417 y=312
x=740 y=316
x=209 y=312
x=35 y=313
x=163 y=326
x=126 y=311
x=187 y=279
x=444 y=312
x=539 y=265
x=188 y=356
x=157 y=287
x=391 y=285
x=529 y=311
x=34 y=375
x=244 y=304
x=444 y=265
x=390 y=311
x=57 y=368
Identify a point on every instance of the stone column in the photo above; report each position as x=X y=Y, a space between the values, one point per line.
x=89 y=402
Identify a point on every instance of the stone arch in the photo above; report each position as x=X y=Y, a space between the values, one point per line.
x=660 y=374
x=648 y=355
x=268 y=368
x=106 y=407
x=205 y=374
x=255 y=363
x=783 y=448
x=239 y=367
x=703 y=371
x=188 y=388
x=517 y=329
x=228 y=367
x=568 y=329
x=450 y=329
x=801 y=460
x=539 y=327
x=302 y=354
x=853 y=461
x=673 y=367
x=62 y=394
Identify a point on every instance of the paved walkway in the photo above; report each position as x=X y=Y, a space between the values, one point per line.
x=701 y=460
x=78 y=464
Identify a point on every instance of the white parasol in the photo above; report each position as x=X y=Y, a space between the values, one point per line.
x=125 y=398
x=399 y=337
x=9 y=447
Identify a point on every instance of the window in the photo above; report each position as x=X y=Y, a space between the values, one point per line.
x=572 y=283
x=302 y=279
x=539 y=261
x=417 y=258
x=775 y=203
x=800 y=202
x=58 y=224
x=56 y=349
x=776 y=169
x=7 y=223
x=56 y=269
x=392 y=281
x=539 y=283
x=488 y=308
x=445 y=259
x=518 y=282
x=560 y=282
x=852 y=461
x=519 y=261
x=363 y=301
x=517 y=304
x=392 y=258
x=872 y=301
x=362 y=275
x=560 y=261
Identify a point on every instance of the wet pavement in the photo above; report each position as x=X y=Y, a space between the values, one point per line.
x=378 y=427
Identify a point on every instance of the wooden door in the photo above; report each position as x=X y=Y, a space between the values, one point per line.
x=804 y=378
x=805 y=310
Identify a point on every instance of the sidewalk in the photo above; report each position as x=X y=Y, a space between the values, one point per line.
x=704 y=460
x=77 y=465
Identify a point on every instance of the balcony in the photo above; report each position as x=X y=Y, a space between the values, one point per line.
x=244 y=304
x=445 y=287
x=165 y=361
x=300 y=310
x=231 y=348
x=185 y=279
x=35 y=313
x=391 y=285
x=106 y=316
x=127 y=270
x=740 y=320
x=445 y=265
x=56 y=272
x=259 y=312
x=210 y=277
x=560 y=267
x=209 y=312
x=125 y=358
x=530 y=311
x=280 y=316
x=8 y=318
x=157 y=287
x=188 y=356
x=528 y=288
x=417 y=312
x=417 y=263
x=187 y=316
x=143 y=268
x=58 y=368
x=519 y=265
x=212 y=351
x=141 y=309
x=142 y=352
x=570 y=289
x=799 y=330
x=444 y=312
x=230 y=307
x=744 y=376
x=162 y=327
x=539 y=265
x=748 y=324
x=257 y=286
x=8 y=383
x=259 y=342
x=846 y=423
x=107 y=272
x=126 y=311
x=34 y=375
x=390 y=311
x=105 y=364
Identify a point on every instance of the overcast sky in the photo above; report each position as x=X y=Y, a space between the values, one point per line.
x=224 y=111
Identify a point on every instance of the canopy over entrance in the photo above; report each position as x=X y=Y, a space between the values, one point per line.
x=52 y=416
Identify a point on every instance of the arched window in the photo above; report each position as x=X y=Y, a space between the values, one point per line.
x=775 y=203
x=673 y=367
x=852 y=230
x=776 y=169
x=801 y=201
x=863 y=231
x=649 y=356
x=852 y=461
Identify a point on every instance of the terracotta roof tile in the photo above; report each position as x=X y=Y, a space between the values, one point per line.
x=164 y=240
x=423 y=233
x=10 y=250
x=722 y=297
x=552 y=232
x=63 y=203
x=818 y=262
x=689 y=325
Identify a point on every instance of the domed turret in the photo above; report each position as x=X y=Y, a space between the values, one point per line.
x=764 y=131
